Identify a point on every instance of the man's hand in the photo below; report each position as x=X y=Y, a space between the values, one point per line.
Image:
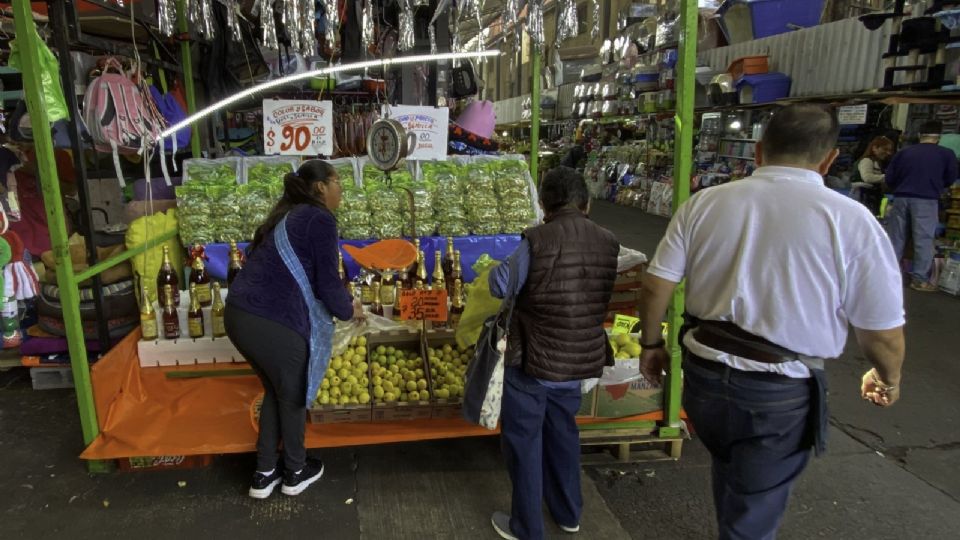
x=652 y=364
x=874 y=390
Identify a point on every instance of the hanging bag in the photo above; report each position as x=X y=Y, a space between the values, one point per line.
x=483 y=391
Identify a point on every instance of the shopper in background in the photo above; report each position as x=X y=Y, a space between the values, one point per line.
x=870 y=172
x=272 y=323
x=777 y=266
x=918 y=176
x=565 y=271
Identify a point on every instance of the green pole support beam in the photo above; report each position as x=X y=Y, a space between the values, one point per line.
x=535 y=116
x=682 y=169
x=29 y=46
x=189 y=88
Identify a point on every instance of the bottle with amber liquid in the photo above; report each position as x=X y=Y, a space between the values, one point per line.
x=366 y=288
x=396 y=301
x=456 y=273
x=387 y=288
x=195 y=315
x=456 y=307
x=344 y=275
x=448 y=262
x=200 y=278
x=148 y=317
x=236 y=263
x=168 y=276
x=171 y=320
x=376 y=307
x=217 y=313
x=438 y=282
x=409 y=275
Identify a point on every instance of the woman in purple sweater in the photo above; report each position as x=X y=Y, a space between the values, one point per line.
x=278 y=316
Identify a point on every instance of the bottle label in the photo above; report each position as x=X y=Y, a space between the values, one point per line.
x=195 y=326
x=203 y=294
x=366 y=294
x=171 y=329
x=148 y=326
x=219 y=328
x=387 y=295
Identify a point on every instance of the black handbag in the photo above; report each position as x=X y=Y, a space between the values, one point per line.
x=483 y=390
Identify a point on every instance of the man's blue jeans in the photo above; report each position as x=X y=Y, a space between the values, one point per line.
x=759 y=431
x=541 y=444
x=920 y=216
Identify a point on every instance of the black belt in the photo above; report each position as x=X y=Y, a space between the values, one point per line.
x=731 y=339
x=720 y=368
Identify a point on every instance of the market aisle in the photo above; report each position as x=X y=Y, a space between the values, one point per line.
x=892 y=472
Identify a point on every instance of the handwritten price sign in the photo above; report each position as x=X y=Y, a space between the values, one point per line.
x=423 y=305
x=431 y=126
x=297 y=127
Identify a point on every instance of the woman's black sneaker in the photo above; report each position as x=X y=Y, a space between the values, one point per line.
x=295 y=483
x=262 y=485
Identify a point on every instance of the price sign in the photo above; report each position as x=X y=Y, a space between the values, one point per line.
x=431 y=126
x=297 y=127
x=852 y=115
x=423 y=305
x=623 y=324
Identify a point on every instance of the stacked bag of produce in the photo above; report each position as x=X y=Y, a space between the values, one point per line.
x=514 y=203
x=423 y=193
x=384 y=202
x=353 y=216
x=480 y=199
x=447 y=180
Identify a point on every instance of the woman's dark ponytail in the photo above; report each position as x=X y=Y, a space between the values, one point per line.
x=298 y=188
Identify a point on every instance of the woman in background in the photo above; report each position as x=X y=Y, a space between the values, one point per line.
x=870 y=172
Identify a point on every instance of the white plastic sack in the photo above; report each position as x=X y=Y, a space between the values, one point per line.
x=629 y=258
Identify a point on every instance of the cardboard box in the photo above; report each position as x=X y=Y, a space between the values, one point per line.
x=628 y=399
x=588 y=405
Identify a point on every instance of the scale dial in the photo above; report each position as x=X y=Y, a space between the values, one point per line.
x=387 y=144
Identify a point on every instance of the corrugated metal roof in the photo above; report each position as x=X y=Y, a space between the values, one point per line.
x=836 y=58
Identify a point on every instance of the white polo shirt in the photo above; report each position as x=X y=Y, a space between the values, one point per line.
x=785 y=258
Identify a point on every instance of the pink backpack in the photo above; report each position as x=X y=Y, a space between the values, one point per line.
x=120 y=116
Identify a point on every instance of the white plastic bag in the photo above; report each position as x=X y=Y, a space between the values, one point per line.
x=629 y=258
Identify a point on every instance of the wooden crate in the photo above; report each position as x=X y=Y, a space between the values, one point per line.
x=392 y=412
x=628 y=445
x=442 y=408
x=398 y=411
x=340 y=414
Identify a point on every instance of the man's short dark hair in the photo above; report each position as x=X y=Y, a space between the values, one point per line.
x=931 y=127
x=563 y=186
x=800 y=134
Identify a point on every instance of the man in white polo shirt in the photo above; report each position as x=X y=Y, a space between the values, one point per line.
x=777 y=267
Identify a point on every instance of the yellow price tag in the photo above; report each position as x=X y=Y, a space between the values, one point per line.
x=624 y=324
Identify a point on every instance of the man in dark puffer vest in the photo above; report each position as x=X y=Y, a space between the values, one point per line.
x=565 y=272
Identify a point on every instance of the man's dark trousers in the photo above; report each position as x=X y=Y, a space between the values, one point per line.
x=757 y=427
x=541 y=445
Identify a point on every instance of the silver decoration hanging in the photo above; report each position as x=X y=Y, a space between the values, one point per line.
x=433 y=39
x=268 y=23
x=292 y=22
x=407 y=37
x=367 y=29
x=233 y=19
x=535 y=23
x=566 y=21
x=595 y=22
x=201 y=18
x=421 y=3
x=167 y=17
x=308 y=28
x=333 y=22
x=511 y=22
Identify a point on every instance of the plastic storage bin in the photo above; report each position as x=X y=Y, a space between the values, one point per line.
x=763 y=88
x=746 y=20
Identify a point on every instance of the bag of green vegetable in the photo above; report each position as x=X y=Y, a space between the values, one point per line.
x=223 y=171
x=267 y=168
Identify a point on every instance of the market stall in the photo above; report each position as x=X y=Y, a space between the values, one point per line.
x=175 y=387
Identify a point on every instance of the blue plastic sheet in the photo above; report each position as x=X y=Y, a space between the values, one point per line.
x=498 y=246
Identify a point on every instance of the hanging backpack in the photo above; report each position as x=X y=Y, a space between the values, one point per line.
x=120 y=116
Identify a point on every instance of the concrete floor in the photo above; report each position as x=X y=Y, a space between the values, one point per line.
x=888 y=474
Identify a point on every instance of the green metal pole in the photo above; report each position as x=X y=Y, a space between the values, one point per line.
x=29 y=46
x=188 y=86
x=535 y=116
x=682 y=169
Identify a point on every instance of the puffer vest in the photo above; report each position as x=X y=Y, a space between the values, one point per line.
x=557 y=329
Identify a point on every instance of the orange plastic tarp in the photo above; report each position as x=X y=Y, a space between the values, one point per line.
x=143 y=413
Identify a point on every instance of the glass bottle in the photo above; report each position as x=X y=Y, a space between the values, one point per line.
x=421 y=279
x=438 y=282
x=171 y=320
x=448 y=262
x=217 y=313
x=344 y=275
x=148 y=317
x=366 y=288
x=456 y=273
x=201 y=279
x=376 y=307
x=387 y=288
x=410 y=274
x=195 y=315
x=396 y=301
x=456 y=308
x=236 y=263
x=168 y=276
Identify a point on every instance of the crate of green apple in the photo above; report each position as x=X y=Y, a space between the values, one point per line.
x=399 y=377
x=448 y=368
